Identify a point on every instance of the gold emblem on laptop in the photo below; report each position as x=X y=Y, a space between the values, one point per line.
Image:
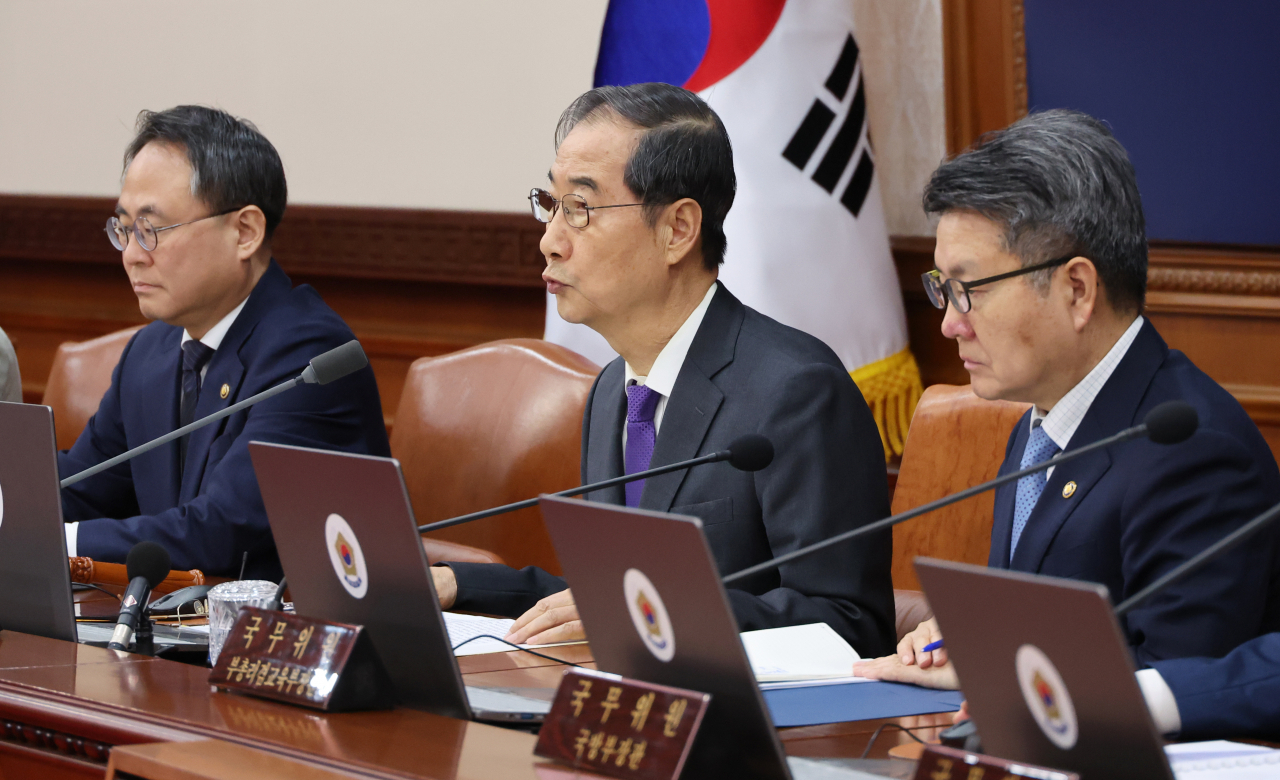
x=1069 y=490
x=225 y=391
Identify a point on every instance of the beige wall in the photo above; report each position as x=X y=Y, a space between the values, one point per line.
x=427 y=104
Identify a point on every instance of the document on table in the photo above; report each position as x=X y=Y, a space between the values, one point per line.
x=800 y=656
x=464 y=627
x=1223 y=760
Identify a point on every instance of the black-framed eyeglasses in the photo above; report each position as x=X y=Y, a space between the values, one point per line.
x=941 y=291
x=576 y=211
x=148 y=236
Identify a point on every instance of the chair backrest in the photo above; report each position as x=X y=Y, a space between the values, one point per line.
x=490 y=425
x=80 y=376
x=956 y=440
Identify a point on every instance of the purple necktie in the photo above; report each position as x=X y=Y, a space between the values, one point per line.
x=641 y=435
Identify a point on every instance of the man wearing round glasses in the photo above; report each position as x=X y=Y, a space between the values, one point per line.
x=634 y=207
x=201 y=195
x=1042 y=269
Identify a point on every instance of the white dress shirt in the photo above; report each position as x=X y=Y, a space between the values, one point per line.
x=1061 y=422
x=666 y=368
x=212 y=340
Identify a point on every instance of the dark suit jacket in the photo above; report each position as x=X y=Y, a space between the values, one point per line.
x=1235 y=696
x=1140 y=509
x=208 y=517
x=747 y=373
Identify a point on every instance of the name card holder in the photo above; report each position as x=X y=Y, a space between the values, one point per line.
x=304 y=661
x=608 y=725
x=939 y=762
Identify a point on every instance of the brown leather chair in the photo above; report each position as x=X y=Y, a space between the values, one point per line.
x=80 y=376
x=489 y=425
x=956 y=440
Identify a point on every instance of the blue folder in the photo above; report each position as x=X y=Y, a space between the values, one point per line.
x=855 y=701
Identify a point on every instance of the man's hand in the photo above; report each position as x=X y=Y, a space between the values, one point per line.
x=911 y=648
x=892 y=669
x=554 y=619
x=446 y=585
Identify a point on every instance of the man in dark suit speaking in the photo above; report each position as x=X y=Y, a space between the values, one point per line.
x=1042 y=268
x=641 y=183
x=202 y=194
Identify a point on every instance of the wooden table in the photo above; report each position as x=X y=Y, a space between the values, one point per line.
x=64 y=706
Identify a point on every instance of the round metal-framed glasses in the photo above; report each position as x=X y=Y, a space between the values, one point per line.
x=576 y=211
x=943 y=291
x=148 y=236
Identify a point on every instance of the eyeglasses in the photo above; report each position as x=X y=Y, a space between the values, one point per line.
x=576 y=211
x=148 y=236
x=941 y=290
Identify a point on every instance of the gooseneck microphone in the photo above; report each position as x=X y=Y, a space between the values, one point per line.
x=1204 y=556
x=146 y=565
x=746 y=453
x=1169 y=423
x=323 y=369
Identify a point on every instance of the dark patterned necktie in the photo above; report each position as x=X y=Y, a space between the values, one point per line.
x=642 y=434
x=195 y=356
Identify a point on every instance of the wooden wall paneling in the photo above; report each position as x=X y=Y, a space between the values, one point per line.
x=410 y=283
x=985 y=67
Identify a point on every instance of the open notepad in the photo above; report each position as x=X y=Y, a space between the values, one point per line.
x=793 y=656
x=800 y=656
x=464 y=627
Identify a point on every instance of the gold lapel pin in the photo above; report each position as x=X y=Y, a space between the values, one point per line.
x=226 y=391
x=1069 y=490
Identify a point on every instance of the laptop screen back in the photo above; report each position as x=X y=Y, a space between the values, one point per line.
x=652 y=605
x=351 y=552
x=35 y=582
x=1046 y=670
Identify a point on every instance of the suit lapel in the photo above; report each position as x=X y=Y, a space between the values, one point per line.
x=227 y=370
x=1113 y=410
x=160 y=372
x=695 y=399
x=604 y=439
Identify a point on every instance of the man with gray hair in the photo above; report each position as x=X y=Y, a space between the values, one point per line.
x=634 y=206
x=1041 y=267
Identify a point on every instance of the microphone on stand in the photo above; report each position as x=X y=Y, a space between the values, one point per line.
x=746 y=453
x=323 y=369
x=1204 y=556
x=146 y=565
x=1169 y=423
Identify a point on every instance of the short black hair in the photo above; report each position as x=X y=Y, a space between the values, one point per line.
x=1059 y=183
x=232 y=164
x=684 y=153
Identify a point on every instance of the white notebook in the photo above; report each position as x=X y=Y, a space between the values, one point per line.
x=799 y=654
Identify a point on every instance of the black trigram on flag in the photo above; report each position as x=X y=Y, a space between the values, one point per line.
x=819 y=120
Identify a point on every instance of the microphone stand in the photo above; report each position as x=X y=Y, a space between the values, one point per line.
x=713 y=457
x=1207 y=554
x=183 y=431
x=1135 y=432
x=323 y=369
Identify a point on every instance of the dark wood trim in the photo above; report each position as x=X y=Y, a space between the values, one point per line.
x=985 y=67
x=419 y=245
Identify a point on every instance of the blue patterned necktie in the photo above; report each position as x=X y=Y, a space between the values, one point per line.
x=1039 y=449
x=642 y=434
x=195 y=356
